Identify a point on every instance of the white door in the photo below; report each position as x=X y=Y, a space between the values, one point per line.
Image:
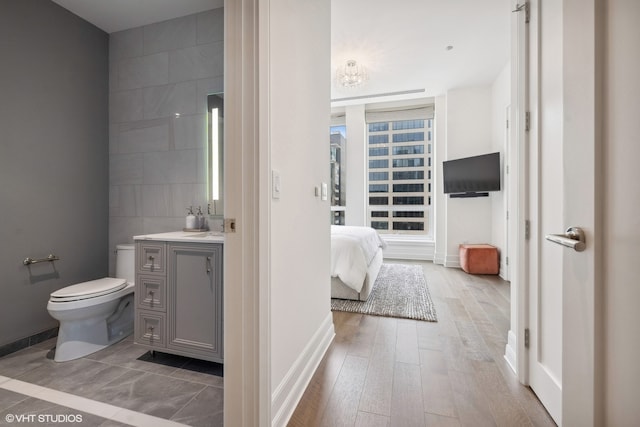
x=560 y=184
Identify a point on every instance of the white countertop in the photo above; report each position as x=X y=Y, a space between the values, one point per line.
x=184 y=236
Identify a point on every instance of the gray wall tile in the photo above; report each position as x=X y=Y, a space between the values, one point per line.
x=125 y=200
x=210 y=26
x=151 y=136
x=125 y=106
x=169 y=100
x=125 y=44
x=158 y=160
x=171 y=167
x=190 y=131
x=126 y=169
x=168 y=35
x=198 y=62
x=143 y=71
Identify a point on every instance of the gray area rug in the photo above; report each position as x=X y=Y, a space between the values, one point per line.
x=399 y=291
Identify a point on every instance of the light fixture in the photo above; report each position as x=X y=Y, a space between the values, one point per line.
x=351 y=74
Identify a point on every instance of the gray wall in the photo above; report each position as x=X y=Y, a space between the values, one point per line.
x=53 y=158
x=157 y=160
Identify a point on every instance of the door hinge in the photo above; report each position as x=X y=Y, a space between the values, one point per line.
x=527 y=229
x=506 y=260
x=527 y=12
x=507 y=216
x=526 y=338
x=527 y=121
x=507 y=123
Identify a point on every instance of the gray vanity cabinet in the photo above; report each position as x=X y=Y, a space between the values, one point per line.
x=179 y=308
x=194 y=300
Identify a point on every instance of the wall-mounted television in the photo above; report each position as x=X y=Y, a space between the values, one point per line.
x=472 y=176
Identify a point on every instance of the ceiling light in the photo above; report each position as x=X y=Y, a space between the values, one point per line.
x=351 y=74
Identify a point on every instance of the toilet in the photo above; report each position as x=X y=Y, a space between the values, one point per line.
x=95 y=314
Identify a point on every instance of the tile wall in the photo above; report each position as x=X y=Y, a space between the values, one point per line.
x=159 y=79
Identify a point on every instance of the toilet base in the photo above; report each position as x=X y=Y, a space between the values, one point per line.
x=77 y=339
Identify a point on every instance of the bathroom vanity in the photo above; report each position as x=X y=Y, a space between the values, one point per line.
x=178 y=294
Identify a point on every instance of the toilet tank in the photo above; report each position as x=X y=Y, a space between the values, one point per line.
x=125 y=262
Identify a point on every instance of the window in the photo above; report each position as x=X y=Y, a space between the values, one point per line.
x=383 y=151
x=399 y=172
x=378 y=176
x=337 y=142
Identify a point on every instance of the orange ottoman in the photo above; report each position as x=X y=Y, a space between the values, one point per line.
x=479 y=259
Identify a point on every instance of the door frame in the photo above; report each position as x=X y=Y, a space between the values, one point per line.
x=582 y=372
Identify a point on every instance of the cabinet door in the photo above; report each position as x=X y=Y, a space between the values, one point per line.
x=194 y=300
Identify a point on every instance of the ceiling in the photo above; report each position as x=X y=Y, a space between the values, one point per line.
x=402 y=43
x=116 y=15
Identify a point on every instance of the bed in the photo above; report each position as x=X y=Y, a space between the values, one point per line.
x=356 y=258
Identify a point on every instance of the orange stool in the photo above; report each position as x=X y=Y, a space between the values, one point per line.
x=479 y=259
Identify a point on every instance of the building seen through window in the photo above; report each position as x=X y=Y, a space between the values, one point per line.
x=399 y=175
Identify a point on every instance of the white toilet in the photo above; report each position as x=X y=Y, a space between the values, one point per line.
x=95 y=314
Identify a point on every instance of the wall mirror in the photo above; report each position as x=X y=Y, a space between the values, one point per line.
x=215 y=150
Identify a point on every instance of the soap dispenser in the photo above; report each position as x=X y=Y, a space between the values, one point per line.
x=191 y=219
x=200 y=219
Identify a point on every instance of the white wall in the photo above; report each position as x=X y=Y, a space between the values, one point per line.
x=298 y=124
x=621 y=292
x=468 y=128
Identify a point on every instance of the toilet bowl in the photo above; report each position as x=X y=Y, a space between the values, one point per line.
x=95 y=314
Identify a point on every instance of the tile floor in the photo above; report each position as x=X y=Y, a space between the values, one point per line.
x=120 y=385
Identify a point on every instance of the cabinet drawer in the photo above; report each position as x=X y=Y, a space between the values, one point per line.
x=151 y=258
x=151 y=292
x=149 y=328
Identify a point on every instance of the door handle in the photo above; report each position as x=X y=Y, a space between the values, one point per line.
x=572 y=238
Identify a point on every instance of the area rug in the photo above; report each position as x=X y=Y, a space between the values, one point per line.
x=399 y=291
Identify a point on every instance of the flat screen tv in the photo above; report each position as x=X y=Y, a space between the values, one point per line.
x=472 y=176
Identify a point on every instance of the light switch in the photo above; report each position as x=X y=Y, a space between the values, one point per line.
x=275 y=184
x=324 y=191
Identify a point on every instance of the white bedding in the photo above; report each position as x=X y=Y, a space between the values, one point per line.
x=352 y=250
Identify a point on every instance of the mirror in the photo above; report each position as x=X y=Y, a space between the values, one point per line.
x=215 y=150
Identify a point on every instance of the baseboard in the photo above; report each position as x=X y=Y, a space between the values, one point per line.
x=438 y=258
x=28 y=341
x=289 y=392
x=510 y=351
x=452 y=261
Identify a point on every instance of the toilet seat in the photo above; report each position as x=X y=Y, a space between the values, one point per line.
x=87 y=290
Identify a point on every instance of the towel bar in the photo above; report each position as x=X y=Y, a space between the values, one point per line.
x=50 y=258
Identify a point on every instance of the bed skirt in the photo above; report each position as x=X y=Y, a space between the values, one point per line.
x=342 y=291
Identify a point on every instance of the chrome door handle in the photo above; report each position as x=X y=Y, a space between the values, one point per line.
x=572 y=238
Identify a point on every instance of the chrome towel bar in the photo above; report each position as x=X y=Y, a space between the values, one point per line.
x=50 y=258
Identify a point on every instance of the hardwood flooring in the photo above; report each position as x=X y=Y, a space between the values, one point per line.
x=401 y=373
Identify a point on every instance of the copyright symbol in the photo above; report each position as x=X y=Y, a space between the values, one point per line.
x=9 y=418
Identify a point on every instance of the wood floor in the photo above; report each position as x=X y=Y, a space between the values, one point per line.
x=402 y=373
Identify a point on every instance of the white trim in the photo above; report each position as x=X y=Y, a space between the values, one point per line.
x=289 y=392
x=452 y=261
x=439 y=258
x=247 y=388
x=510 y=351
